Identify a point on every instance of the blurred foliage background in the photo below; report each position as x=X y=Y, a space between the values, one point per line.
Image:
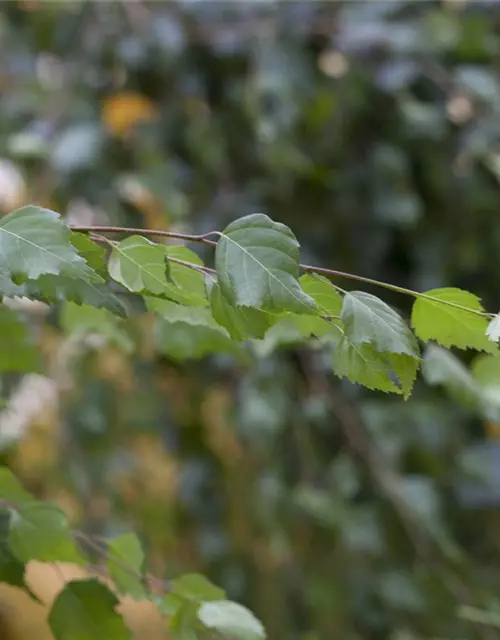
x=372 y=129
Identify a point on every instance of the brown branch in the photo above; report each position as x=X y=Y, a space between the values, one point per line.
x=188 y=237
x=94 y=231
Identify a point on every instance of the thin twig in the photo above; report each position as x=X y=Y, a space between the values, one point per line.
x=192 y=265
x=203 y=238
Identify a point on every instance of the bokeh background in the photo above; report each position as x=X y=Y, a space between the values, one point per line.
x=372 y=129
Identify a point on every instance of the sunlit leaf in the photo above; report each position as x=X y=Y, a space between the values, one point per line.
x=257 y=262
x=451 y=325
x=324 y=294
x=361 y=363
x=231 y=619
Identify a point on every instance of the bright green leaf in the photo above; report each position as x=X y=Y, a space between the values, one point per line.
x=183 y=623
x=186 y=285
x=139 y=265
x=451 y=325
x=39 y=531
x=389 y=372
x=125 y=565
x=18 y=353
x=35 y=241
x=257 y=263
x=85 y=610
x=367 y=319
x=93 y=253
x=196 y=588
x=324 y=294
x=240 y=322
x=231 y=619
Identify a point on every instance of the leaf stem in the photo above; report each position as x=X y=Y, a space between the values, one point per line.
x=392 y=287
x=189 y=237
x=192 y=265
x=204 y=238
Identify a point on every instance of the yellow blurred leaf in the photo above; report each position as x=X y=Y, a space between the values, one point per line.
x=122 y=111
x=493 y=430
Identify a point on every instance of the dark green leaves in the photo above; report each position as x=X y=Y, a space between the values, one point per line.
x=125 y=565
x=240 y=322
x=367 y=319
x=378 y=350
x=362 y=363
x=35 y=241
x=257 y=262
x=84 y=610
x=39 y=531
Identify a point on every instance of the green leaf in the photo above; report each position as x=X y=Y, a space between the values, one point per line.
x=35 y=241
x=139 y=265
x=93 y=253
x=493 y=330
x=324 y=294
x=231 y=619
x=186 y=285
x=450 y=325
x=125 y=565
x=53 y=289
x=257 y=263
x=39 y=531
x=85 y=610
x=367 y=319
x=11 y=489
x=183 y=623
x=362 y=364
x=196 y=588
x=185 y=333
x=85 y=319
x=11 y=569
x=18 y=353
x=240 y=322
